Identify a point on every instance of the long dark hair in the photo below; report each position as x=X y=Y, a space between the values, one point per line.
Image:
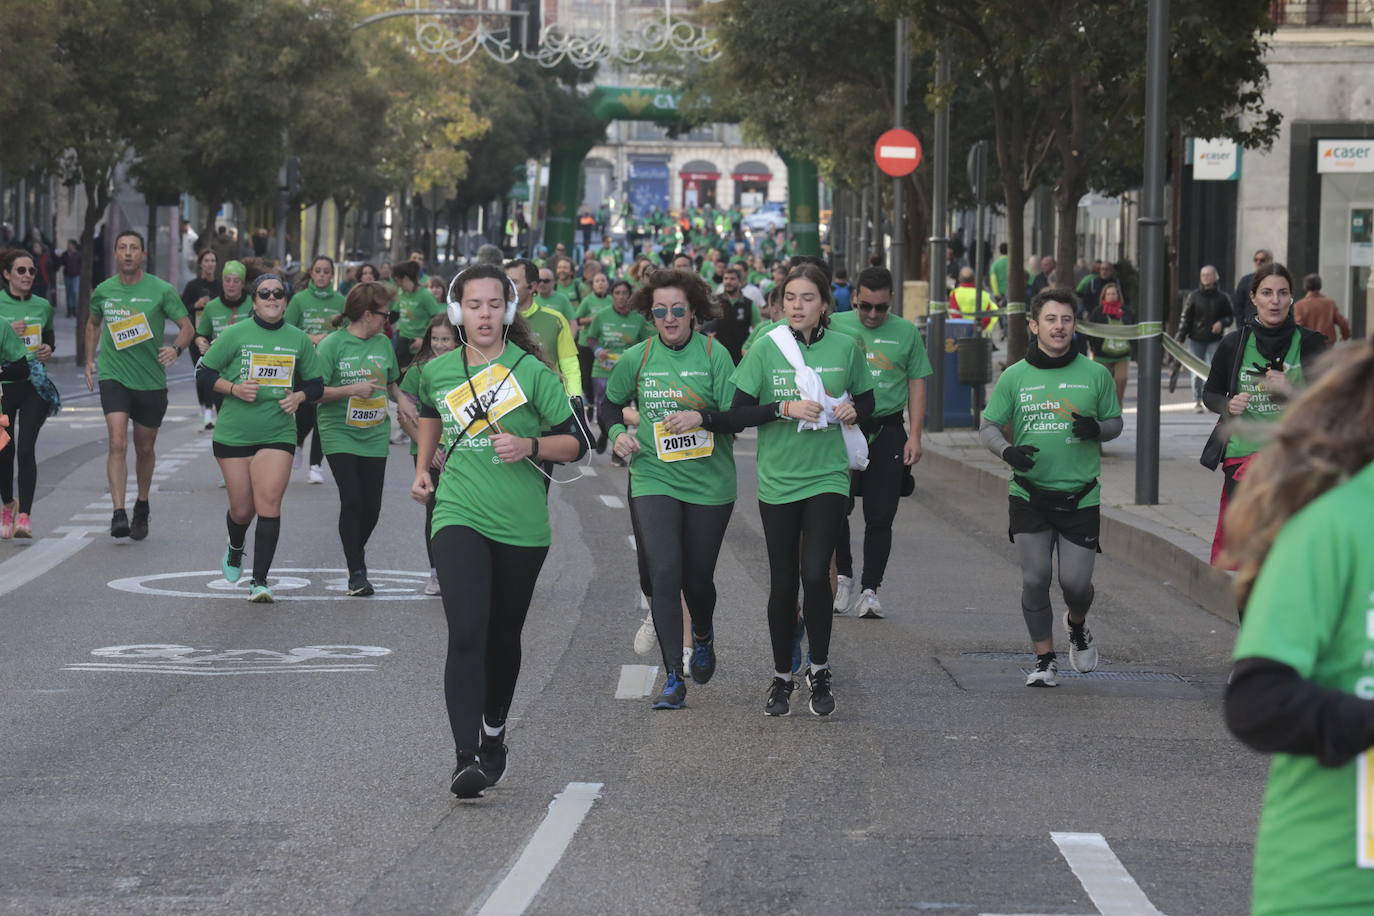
x=518 y=332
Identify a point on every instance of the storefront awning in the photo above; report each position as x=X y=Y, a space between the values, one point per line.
x=699 y=176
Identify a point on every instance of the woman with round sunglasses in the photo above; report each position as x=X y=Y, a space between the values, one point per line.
x=359 y=373
x=30 y=318
x=267 y=369
x=682 y=465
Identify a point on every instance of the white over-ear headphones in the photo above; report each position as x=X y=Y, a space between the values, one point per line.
x=455 y=305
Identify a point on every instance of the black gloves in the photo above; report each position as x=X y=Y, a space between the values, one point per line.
x=1019 y=456
x=1086 y=427
x=1261 y=369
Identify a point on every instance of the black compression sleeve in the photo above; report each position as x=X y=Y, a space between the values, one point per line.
x=1273 y=709
x=313 y=388
x=16 y=371
x=206 y=376
x=614 y=414
x=50 y=338
x=429 y=413
x=717 y=421
x=570 y=427
x=746 y=411
x=863 y=405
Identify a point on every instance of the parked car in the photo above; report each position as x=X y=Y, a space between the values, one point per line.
x=771 y=217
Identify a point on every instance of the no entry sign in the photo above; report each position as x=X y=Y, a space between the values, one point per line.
x=897 y=152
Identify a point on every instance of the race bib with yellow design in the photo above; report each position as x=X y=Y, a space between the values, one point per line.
x=694 y=443
x=130 y=332
x=33 y=336
x=1364 y=821
x=609 y=359
x=274 y=370
x=498 y=392
x=365 y=413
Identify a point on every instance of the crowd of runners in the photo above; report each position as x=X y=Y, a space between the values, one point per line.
x=505 y=376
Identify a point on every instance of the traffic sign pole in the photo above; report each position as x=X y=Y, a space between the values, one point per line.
x=898 y=181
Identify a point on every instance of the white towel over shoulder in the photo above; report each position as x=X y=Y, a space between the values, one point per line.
x=810 y=387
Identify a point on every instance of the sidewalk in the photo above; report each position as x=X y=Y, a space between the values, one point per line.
x=1173 y=539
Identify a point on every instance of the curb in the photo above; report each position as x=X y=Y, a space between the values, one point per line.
x=1147 y=547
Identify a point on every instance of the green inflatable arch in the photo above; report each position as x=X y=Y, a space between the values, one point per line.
x=660 y=105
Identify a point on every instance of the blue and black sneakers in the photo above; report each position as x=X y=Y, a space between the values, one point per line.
x=703 y=663
x=674 y=695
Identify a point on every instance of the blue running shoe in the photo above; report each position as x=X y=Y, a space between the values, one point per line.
x=232 y=564
x=703 y=663
x=674 y=695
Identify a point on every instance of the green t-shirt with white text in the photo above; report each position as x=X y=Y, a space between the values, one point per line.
x=312 y=308
x=417 y=307
x=665 y=381
x=1261 y=408
x=615 y=333
x=278 y=359
x=1312 y=609
x=33 y=315
x=896 y=354
x=355 y=425
x=216 y=316
x=1038 y=405
x=590 y=306
x=795 y=463
x=135 y=320
x=504 y=502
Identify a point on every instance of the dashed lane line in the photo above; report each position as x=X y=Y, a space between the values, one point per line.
x=543 y=851
x=636 y=681
x=613 y=501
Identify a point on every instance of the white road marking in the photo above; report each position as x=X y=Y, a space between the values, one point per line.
x=99 y=504
x=631 y=539
x=636 y=681
x=643 y=602
x=90 y=516
x=76 y=532
x=612 y=501
x=1102 y=875
x=542 y=853
x=314 y=585
x=40 y=557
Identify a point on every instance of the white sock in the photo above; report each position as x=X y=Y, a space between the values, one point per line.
x=783 y=675
x=492 y=732
x=815 y=667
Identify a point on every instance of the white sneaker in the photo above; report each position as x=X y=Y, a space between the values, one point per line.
x=316 y=474
x=844 y=593
x=868 y=606
x=1197 y=407
x=1044 y=674
x=646 y=638
x=208 y=415
x=432 y=586
x=1082 y=652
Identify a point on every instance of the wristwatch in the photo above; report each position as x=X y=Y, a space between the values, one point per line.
x=534 y=447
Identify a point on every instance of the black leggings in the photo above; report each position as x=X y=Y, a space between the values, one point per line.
x=360 y=483
x=27 y=412
x=305 y=423
x=881 y=484
x=487 y=587
x=801 y=539
x=429 y=510
x=680 y=543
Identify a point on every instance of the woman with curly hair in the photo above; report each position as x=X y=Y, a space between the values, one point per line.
x=1299 y=532
x=682 y=465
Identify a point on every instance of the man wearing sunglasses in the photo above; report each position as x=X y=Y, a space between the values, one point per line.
x=896 y=357
x=548 y=297
x=129 y=314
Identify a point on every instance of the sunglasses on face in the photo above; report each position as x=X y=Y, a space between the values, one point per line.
x=24 y=270
x=661 y=311
x=871 y=306
x=382 y=314
x=271 y=294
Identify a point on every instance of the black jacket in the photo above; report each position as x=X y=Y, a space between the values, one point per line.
x=1224 y=379
x=1241 y=305
x=1204 y=308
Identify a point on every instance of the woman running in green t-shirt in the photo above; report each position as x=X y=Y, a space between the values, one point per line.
x=267 y=369
x=440 y=337
x=359 y=373
x=682 y=472
x=499 y=410
x=315 y=310
x=29 y=336
x=1299 y=532
x=803 y=469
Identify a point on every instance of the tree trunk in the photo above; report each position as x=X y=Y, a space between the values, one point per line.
x=1066 y=197
x=97 y=201
x=1014 y=196
x=150 y=262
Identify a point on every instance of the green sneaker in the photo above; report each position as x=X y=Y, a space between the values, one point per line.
x=232 y=564
x=259 y=593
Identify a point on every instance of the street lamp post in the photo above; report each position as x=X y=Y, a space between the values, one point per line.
x=1152 y=254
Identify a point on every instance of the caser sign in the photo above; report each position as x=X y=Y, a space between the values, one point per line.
x=1345 y=156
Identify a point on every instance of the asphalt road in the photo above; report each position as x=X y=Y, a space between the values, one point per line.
x=293 y=758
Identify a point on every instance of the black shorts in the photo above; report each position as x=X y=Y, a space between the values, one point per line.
x=146 y=408
x=248 y=451
x=1081 y=526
